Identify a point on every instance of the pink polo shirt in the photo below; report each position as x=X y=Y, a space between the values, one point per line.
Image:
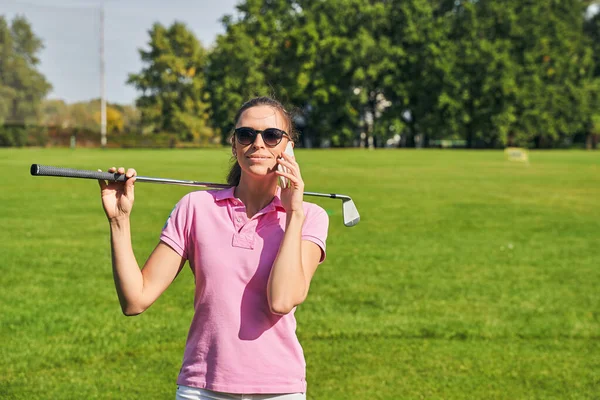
x=235 y=344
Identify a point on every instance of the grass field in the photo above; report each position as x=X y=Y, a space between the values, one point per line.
x=469 y=277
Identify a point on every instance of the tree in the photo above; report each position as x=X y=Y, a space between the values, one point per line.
x=592 y=31
x=55 y=113
x=424 y=58
x=172 y=83
x=492 y=73
x=554 y=100
x=131 y=117
x=22 y=86
x=305 y=52
x=479 y=88
x=519 y=72
x=335 y=60
x=247 y=61
x=346 y=61
x=114 y=120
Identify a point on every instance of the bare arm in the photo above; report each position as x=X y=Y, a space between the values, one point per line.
x=298 y=259
x=137 y=289
x=293 y=268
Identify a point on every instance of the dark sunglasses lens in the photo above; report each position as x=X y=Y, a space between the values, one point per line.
x=245 y=135
x=272 y=136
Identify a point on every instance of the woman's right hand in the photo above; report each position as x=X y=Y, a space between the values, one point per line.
x=117 y=197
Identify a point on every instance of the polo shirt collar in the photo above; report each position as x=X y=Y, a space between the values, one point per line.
x=228 y=194
x=225 y=194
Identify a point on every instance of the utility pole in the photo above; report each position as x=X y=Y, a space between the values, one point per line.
x=102 y=82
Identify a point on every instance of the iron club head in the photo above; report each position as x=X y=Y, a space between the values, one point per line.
x=349 y=212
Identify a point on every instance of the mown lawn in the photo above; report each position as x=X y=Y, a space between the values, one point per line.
x=469 y=277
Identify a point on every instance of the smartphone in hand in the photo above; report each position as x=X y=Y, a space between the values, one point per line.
x=283 y=181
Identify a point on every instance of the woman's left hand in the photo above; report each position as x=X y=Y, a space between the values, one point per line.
x=293 y=195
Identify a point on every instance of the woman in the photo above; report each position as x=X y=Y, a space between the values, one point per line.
x=253 y=249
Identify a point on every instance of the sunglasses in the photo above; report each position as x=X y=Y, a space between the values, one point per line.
x=271 y=136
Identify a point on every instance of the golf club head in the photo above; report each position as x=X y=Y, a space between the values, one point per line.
x=349 y=212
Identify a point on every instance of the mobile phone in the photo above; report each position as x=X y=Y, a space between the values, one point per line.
x=289 y=150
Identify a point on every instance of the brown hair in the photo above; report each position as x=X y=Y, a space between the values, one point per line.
x=235 y=172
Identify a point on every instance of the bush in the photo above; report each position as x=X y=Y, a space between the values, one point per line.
x=61 y=137
x=134 y=140
x=13 y=135
x=19 y=135
x=37 y=136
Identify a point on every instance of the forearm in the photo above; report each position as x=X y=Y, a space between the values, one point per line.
x=129 y=281
x=287 y=285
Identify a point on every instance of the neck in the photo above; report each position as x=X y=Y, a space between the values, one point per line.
x=256 y=194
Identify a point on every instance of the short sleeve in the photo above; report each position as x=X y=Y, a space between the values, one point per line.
x=176 y=231
x=315 y=228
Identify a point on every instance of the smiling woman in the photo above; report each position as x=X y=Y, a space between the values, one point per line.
x=253 y=249
x=261 y=111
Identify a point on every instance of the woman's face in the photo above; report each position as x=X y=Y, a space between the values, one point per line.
x=257 y=158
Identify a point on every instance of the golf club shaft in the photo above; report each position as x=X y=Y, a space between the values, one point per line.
x=46 y=170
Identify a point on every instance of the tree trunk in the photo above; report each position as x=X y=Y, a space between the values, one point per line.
x=510 y=139
x=469 y=137
x=371 y=125
x=493 y=142
x=425 y=141
x=591 y=141
x=539 y=141
x=410 y=140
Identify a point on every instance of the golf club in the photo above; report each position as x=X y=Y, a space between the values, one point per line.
x=349 y=211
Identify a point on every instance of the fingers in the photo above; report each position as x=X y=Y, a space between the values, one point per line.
x=290 y=177
x=288 y=157
x=130 y=174
x=102 y=182
x=292 y=173
x=290 y=163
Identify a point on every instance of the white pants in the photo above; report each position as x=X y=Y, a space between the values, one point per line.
x=191 y=393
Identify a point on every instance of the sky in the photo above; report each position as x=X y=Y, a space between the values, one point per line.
x=70 y=30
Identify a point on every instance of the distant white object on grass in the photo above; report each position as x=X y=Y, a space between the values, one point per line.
x=516 y=154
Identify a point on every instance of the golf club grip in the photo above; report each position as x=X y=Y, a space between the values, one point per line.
x=46 y=170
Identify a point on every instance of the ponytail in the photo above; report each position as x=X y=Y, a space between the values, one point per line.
x=235 y=173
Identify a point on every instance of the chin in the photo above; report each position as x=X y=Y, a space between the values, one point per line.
x=260 y=170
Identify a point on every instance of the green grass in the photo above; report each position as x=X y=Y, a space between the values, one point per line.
x=469 y=277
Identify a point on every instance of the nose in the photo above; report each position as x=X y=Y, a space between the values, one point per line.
x=258 y=141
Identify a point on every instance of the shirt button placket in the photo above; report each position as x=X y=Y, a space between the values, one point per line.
x=240 y=221
x=237 y=219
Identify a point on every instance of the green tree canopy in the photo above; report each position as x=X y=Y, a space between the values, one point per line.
x=592 y=31
x=172 y=83
x=247 y=59
x=555 y=64
x=22 y=86
x=492 y=73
